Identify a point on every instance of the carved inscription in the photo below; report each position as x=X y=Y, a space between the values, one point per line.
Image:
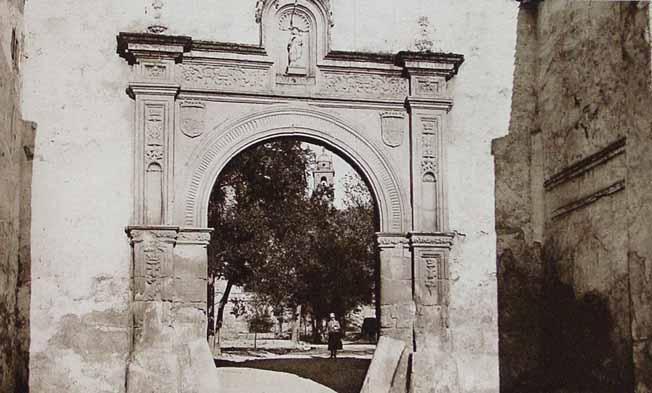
x=364 y=85
x=228 y=77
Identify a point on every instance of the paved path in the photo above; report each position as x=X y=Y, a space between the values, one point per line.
x=248 y=380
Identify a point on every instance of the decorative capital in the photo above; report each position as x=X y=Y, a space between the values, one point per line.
x=391 y=240
x=431 y=240
x=194 y=236
x=149 y=233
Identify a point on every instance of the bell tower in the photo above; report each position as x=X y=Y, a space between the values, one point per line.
x=323 y=171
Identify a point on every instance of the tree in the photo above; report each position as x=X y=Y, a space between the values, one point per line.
x=257 y=206
x=290 y=248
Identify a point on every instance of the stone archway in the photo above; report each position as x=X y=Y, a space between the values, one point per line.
x=303 y=122
x=199 y=103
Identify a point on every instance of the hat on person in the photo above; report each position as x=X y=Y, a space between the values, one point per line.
x=332 y=315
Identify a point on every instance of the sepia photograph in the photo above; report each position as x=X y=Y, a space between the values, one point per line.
x=325 y=196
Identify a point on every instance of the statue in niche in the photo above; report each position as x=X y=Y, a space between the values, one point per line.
x=297 y=46
x=295 y=49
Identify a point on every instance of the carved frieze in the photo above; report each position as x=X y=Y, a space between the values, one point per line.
x=392 y=125
x=426 y=240
x=192 y=118
x=364 y=85
x=224 y=77
x=391 y=241
x=194 y=236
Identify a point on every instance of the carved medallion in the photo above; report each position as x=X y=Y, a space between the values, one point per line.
x=393 y=127
x=192 y=118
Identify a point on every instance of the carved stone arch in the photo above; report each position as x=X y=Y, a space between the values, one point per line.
x=225 y=142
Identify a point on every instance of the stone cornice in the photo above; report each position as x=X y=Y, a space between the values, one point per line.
x=227 y=47
x=134 y=46
x=432 y=240
x=440 y=103
x=365 y=57
x=441 y=64
x=157 y=89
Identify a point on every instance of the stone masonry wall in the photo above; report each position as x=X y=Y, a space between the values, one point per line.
x=16 y=146
x=567 y=188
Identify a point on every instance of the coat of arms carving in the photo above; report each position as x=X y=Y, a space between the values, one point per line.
x=192 y=114
x=392 y=126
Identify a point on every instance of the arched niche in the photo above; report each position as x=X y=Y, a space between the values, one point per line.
x=289 y=28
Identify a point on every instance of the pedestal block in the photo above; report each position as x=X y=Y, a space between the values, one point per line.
x=169 y=350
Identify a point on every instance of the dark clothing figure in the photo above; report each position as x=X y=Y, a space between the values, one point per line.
x=334 y=336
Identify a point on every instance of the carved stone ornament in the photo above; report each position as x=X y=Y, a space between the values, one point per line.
x=260 y=5
x=192 y=118
x=364 y=85
x=438 y=240
x=224 y=77
x=157 y=26
x=392 y=125
x=387 y=241
x=424 y=42
x=194 y=237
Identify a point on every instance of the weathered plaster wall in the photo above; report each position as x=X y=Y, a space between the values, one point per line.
x=16 y=143
x=74 y=88
x=563 y=196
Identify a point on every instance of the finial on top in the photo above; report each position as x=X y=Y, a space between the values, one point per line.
x=157 y=26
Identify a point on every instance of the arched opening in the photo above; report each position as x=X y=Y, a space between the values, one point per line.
x=295 y=222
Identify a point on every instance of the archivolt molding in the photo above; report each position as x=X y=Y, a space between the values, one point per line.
x=227 y=141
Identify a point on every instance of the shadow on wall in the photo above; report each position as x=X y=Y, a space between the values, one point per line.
x=570 y=349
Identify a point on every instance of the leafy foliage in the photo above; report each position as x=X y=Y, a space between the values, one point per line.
x=287 y=246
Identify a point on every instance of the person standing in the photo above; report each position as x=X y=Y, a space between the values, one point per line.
x=334 y=336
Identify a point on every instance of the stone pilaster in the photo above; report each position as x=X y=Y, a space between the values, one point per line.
x=433 y=361
x=154 y=88
x=428 y=104
x=153 y=362
x=169 y=351
x=396 y=301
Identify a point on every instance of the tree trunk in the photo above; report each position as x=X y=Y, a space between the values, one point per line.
x=220 y=316
x=296 y=329
x=210 y=310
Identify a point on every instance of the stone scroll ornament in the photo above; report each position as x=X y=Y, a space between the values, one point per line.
x=192 y=118
x=392 y=125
